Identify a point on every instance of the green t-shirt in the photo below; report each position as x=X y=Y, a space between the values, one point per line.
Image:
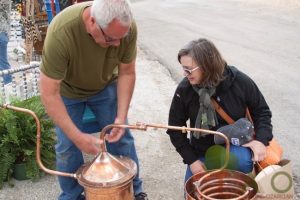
x=70 y=54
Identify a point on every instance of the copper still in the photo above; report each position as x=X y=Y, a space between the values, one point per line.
x=108 y=177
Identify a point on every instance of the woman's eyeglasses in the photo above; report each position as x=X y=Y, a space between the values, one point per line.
x=189 y=71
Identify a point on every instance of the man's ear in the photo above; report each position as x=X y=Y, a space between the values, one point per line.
x=92 y=20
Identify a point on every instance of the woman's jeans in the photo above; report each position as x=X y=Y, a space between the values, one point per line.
x=3 y=56
x=240 y=159
x=69 y=157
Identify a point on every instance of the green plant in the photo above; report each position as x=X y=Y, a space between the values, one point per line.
x=18 y=139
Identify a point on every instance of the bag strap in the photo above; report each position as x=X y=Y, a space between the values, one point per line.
x=225 y=116
x=248 y=115
x=221 y=112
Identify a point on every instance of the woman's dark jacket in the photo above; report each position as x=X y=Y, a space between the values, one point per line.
x=234 y=94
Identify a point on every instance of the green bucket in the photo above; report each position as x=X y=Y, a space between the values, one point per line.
x=19 y=172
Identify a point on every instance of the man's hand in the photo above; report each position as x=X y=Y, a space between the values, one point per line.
x=258 y=149
x=197 y=167
x=88 y=143
x=116 y=133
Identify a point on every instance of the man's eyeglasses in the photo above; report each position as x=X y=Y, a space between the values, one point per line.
x=106 y=37
x=189 y=71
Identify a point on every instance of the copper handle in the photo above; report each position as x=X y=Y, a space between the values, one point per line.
x=38 y=141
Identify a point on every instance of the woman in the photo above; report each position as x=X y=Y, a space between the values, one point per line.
x=207 y=76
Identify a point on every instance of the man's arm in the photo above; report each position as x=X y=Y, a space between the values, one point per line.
x=55 y=108
x=125 y=87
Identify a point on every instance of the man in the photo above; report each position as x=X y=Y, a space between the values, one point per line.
x=89 y=60
x=5 y=7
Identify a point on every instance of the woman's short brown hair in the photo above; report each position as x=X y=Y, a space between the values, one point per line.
x=208 y=58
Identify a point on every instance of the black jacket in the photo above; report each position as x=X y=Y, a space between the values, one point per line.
x=234 y=94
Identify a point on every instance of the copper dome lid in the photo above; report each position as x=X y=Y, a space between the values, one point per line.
x=107 y=170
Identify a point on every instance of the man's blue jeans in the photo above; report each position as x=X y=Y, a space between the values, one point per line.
x=3 y=56
x=69 y=157
x=243 y=158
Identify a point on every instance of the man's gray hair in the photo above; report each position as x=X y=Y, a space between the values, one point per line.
x=105 y=11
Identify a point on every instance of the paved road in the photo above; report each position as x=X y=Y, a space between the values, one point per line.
x=262 y=40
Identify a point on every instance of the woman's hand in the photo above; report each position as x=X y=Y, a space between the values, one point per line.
x=258 y=149
x=197 y=167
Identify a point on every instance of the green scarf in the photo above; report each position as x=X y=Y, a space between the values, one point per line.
x=206 y=117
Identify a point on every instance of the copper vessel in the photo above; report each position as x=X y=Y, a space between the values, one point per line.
x=109 y=177
x=221 y=184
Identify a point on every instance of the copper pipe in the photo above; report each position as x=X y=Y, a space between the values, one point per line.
x=38 y=140
x=108 y=127
x=223 y=183
x=143 y=126
x=138 y=126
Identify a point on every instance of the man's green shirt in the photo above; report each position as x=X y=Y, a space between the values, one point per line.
x=70 y=54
